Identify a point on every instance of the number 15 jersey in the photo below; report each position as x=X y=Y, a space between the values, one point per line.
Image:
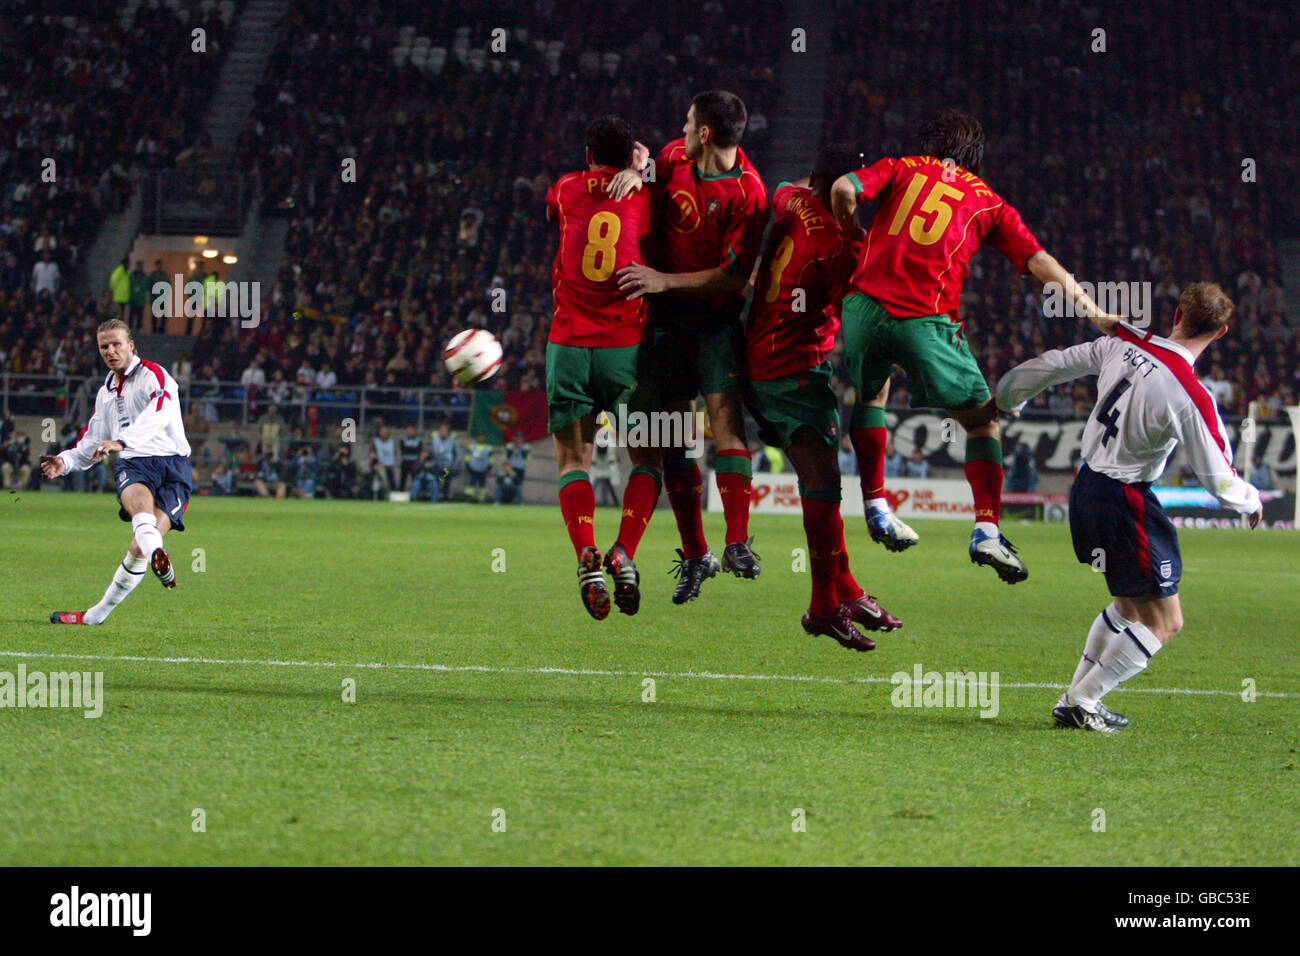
x=598 y=236
x=1150 y=402
x=931 y=218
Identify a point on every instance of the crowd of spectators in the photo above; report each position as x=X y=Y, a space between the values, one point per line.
x=452 y=167
x=1125 y=151
x=92 y=107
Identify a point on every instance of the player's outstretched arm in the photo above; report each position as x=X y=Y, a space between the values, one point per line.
x=1027 y=379
x=1046 y=269
x=844 y=204
x=638 y=280
x=81 y=455
x=1210 y=456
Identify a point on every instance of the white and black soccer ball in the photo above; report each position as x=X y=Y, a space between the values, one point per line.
x=472 y=356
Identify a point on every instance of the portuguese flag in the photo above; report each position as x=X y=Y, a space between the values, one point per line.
x=499 y=415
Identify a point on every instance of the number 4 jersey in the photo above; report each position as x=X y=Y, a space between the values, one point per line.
x=931 y=219
x=598 y=236
x=1151 y=401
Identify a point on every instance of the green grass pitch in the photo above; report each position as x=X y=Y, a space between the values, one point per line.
x=495 y=723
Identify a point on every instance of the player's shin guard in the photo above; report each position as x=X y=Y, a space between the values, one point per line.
x=1099 y=636
x=734 y=473
x=825 y=530
x=147 y=536
x=869 y=436
x=1121 y=660
x=984 y=474
x=128 y=574
x=639 y=499
x=685 y=484
x=578 y=505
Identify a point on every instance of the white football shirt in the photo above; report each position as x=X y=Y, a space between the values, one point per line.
x=1149 y=402
x=142 y=411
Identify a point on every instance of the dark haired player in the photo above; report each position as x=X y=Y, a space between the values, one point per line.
x=715 y=206
x=1150 y=402
x=902 y=302
x=592 y=353
x=792 y=324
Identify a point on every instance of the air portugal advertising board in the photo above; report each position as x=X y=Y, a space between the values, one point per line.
x=910 y=497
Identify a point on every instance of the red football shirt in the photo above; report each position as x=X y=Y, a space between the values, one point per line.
x=804 y=270
x=598 y=236
x=917 y=253
x=711 y=221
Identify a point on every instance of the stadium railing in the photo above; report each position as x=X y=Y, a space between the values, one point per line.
x=63 y=397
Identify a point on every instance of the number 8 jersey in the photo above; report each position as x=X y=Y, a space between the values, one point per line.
x=931 y=219
x=1151 y=401
x=598 y=236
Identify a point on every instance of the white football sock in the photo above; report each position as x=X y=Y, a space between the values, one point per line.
x=988 y=527
x=128 y=574
x=1124 y=657
x=147 y=536
x=1103 y=629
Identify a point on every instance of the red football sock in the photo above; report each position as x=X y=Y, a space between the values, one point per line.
x=870 y=436
x=984 y=472
x=639 y=498
x=733 y=478
x=578 y=505
x=684 y=487
x=846 y=587
x=825 y=530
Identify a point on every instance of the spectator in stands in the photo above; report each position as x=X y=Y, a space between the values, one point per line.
x=411 y=446
x=16 y=461
x=384 y=447
x=917 y=466
x=11 y=277
x=519 y=453
x=182 y=369
x=894 y=460
x=1261 y=476
x=159 y=322
x=424 y=478
x=847 y=457
x=119 y=283
x=45 y=276
x=341 y=473
x=7 y=426
x=507 y=484
x=272 y=427
x=305 y=473
x=267 y=480
x=605 y=478
x=478 y=464
x=447 y=458
x=139 y=296
x=278 y=391
x=223 y=480
x=1023 y=474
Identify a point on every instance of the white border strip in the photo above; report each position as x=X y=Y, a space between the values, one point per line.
x=573 y=672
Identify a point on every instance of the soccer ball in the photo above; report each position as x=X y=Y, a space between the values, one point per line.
x=472 y=356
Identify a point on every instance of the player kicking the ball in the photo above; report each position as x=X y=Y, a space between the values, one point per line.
x=592 y=356
x=902 y=303
x=137 y=414
x=1150 y=402
x=792 y=324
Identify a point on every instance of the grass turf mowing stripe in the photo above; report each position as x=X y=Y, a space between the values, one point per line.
x=575 y=672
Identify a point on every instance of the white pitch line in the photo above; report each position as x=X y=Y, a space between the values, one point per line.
x=574 y=672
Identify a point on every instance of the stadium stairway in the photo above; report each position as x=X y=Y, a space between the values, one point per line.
x=261 y=250
x=112 y=242
x=796 y=123
x=255 y=35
